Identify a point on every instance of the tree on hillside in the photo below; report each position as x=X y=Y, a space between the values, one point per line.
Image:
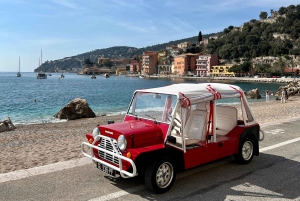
x=199 y=37
x=87 y=61
x=263 y=15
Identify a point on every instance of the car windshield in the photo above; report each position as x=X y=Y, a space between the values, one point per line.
x=158 y=107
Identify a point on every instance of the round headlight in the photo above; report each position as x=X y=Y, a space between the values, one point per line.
x=122 y=143
x=96 y=132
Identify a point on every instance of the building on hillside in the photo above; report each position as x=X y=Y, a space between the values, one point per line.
x=185 y=64
x=204 y=62
x=101 y=60
x=221 y=71
x=135 y=66
x=184 y=45
x=292 y=70
x=121 y=71
x=149 y=62
x=164 y=69
x=173 y=50
x=94 y=70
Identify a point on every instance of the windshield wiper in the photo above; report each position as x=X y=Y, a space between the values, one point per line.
x=151 y=117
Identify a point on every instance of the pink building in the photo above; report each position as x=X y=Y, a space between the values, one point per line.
x=204 y=63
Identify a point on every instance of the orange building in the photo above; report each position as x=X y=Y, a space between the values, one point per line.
x=185 y=64
x=149 y=61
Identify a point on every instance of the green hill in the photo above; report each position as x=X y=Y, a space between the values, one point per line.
x=273 y=36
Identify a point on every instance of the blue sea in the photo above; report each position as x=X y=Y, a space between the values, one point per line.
x=109 y=96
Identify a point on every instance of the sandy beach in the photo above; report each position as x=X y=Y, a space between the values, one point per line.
x=41 y=144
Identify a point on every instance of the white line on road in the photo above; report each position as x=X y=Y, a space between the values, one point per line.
x=279 y=145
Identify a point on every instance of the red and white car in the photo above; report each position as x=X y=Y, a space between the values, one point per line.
x=174 y=128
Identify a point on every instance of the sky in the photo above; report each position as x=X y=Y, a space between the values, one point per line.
x=63 y=28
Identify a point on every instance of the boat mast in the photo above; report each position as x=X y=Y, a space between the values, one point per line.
x=19 y=63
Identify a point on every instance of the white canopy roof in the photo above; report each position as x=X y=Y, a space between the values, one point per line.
x=199 y=92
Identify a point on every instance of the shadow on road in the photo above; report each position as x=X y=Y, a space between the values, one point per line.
x=266 y=177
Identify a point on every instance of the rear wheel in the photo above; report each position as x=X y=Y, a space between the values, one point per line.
x=245 y=154
x=160 y=176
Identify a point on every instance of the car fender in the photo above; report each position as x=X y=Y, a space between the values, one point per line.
x=253 y=133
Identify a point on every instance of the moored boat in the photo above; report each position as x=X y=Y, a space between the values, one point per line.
x=41 y=75
x=19 y=73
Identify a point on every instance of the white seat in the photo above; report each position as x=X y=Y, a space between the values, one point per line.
x=196 y=127
x=226 y=119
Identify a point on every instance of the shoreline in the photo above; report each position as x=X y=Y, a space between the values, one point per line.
x=233 y=79
x=41 y=144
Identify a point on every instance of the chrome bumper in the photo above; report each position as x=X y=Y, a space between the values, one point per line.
x=123 y=173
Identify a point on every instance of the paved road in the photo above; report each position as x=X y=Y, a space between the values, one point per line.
x=273 y=175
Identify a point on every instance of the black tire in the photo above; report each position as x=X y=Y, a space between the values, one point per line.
x=160 y=176
x=246 y=150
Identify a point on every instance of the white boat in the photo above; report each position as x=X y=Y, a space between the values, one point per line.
x=106 y=75
x=93 y=77
x=19 y=74
x=142 y=76
x=41 y=75
x=62 y=76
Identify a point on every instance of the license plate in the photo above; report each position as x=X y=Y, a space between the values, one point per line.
x=106 y=169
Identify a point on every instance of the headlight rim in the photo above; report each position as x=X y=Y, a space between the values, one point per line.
x=122 y=142
x=95 y=132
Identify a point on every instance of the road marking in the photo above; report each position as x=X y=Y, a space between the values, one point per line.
x=279 y=145
x=20 y=174
x=276 y=131
x=141 y=187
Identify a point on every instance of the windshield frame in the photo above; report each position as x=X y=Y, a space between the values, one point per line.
x=142 y=106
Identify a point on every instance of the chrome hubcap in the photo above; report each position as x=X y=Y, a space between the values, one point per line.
x=164 y=175
x=247 y=150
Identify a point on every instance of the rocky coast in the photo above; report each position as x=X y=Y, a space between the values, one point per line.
x=35 y=145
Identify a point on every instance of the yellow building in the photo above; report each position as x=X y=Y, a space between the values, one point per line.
x=221 y=71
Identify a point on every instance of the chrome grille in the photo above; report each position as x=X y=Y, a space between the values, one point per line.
x=107 y=145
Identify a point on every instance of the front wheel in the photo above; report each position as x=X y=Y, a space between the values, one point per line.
x=245 y=154
x=160 y=176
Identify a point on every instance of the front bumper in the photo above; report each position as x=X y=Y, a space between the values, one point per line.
x=123 y=173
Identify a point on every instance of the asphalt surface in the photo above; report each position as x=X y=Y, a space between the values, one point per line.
x=273 y=175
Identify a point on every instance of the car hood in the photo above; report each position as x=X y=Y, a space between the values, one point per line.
x=137 y=133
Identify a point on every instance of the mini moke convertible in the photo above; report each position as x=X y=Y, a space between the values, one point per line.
x=174 y=128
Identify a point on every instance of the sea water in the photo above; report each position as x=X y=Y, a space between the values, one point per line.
x=27 y=100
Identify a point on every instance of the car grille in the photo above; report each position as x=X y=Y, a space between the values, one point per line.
x=107 y=145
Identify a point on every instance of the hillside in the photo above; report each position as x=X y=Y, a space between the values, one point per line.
x=119 y=52
x=272 y=36
x=275 y=36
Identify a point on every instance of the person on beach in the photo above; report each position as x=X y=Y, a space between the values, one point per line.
x=267 y=95
x=283 y=95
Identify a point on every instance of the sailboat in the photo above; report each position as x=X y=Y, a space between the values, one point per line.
x=19 y=74
x=41 y=75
